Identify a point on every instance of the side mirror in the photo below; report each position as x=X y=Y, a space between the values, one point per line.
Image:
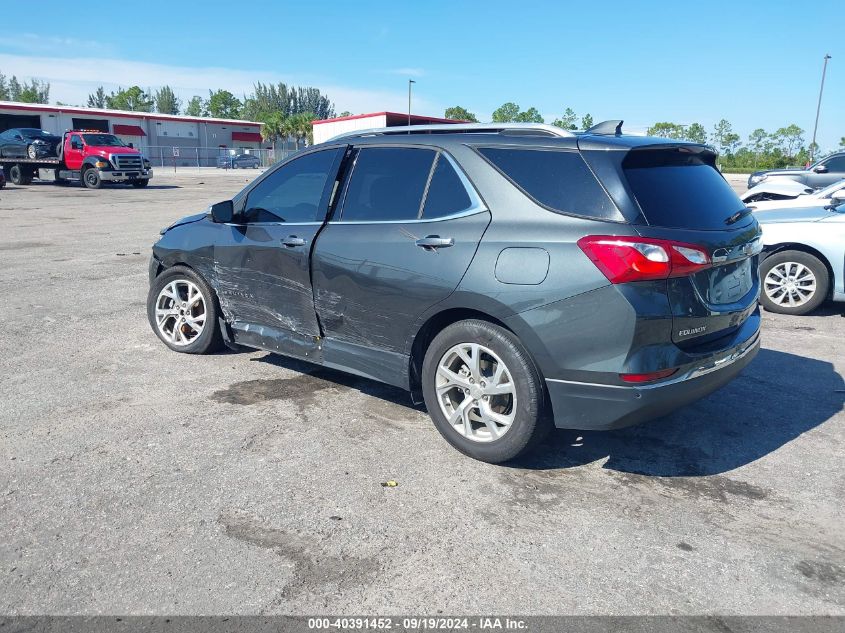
x=75 y=145
x=222 y=212
x=820 y=169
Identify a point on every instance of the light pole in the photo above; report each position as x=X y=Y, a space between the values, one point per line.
x=818 y=108
x=410 y=81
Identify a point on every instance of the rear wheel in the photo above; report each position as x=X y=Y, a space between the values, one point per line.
x=183 y=311
x=483 y=392
x=20 y=175
x=794 y=282
x=91 y=178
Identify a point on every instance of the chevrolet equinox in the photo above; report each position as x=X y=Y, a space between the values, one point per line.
x=511 y=277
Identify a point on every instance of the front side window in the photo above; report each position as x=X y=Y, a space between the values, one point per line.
x=835 y=164
x=557 y=179
x=293 y=192
x=76 y=142
x=387 y=184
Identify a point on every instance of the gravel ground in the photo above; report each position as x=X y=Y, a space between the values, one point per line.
x=137 y=480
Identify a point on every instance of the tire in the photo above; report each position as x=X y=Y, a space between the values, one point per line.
x=793 y=282
x=517 y=417
x=141 y=182
x=174 y=330
x=91 y=178
x=16 y=175
x=31 y=152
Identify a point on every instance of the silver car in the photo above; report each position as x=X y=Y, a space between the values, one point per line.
x=804 y=256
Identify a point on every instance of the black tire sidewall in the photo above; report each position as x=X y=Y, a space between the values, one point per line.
x=818 y=269
x=93 y=185
x=528 y=423
x=209 y=340
x=16 y=174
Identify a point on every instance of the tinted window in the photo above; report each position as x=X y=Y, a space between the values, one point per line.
x=446 y=193
x=293 y=192
x=836 y=164
x=387 y=183
x=76 y=140
x=559 y=180
x=680 y=189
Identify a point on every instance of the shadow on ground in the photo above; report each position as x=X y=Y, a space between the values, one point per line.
x=778 y=397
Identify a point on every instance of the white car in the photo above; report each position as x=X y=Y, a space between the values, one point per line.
x=787 y=194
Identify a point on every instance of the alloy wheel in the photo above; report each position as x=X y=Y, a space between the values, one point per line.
x=790 y=284
x=476 y=392
x=180 y=312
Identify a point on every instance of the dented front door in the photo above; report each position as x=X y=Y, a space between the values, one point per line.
x=262 y=265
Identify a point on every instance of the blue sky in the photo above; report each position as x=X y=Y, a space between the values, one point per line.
x=758 y=64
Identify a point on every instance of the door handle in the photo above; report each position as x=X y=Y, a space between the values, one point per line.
x=434 y=241
x=293 y=240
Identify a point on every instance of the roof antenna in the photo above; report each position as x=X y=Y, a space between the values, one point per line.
x=607 y=127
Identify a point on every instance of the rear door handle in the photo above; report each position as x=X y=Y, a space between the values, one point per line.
x=434 y=241
x=293 y=240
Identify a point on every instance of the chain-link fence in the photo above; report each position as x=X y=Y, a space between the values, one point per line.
x=222 y=157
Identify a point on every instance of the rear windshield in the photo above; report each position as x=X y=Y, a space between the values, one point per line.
x=558 y=180
x=680 y=188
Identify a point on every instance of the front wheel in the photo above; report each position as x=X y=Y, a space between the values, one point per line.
x=91 y=178
x=182 y=311
x=794 y=282
x=483 y=392
x=31 y=152
x=140 y=182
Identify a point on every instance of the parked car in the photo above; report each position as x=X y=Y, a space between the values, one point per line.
x=510 y=276
x=823 y=173
x=239 y=161
x=807 y=198
x=2 y=177
x=804 y=256
x=28 y=143
x=775 y=189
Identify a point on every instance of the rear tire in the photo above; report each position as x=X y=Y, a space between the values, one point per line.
x=16 y=175
x=91 y=178
x=483 y=391
x=794 y=282
x=174 y=311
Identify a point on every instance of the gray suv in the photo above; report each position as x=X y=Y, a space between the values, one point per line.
x=825 y=172
x=512 y=277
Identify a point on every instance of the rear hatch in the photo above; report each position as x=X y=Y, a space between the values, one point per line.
x=685 y=199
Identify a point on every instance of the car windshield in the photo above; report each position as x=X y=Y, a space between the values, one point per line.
x=33 y=133
x=103 y=140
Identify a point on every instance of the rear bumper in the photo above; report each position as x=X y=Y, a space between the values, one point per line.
x=590 y=406
x=124 y=175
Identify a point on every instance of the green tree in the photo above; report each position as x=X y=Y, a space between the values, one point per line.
x=567 y=121
x=506 y=113
x=531 y=115
x=792 y=138
x=696 y=133
x=166 y=101
x=757 y=143
x=222 y=104
x=97 y=99
x=301 y=128
x=586 y=122
x=4 y=88
x=724 y=137
x=132 y=99
x=34 y=91
x=14 y=89
x=274 y=128
x=842 y=142
x=345 y=113
x=458 y=113
x=666 y=129
x=195 y=107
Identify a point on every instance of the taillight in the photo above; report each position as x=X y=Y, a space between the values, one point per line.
x=623 y=258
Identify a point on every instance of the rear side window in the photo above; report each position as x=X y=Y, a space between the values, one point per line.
x=680 y=188
x=446 y=193
x=387 y=183
x=558 y=180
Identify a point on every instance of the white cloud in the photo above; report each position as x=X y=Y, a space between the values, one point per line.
x=73 y=79
x=32 y=43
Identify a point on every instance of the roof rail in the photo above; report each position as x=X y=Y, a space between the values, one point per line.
x=525 y=129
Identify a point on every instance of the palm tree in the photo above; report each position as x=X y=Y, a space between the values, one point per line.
x=288 y=128
x=272 y=129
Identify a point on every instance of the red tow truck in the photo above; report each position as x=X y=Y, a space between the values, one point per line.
x=90 y=156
